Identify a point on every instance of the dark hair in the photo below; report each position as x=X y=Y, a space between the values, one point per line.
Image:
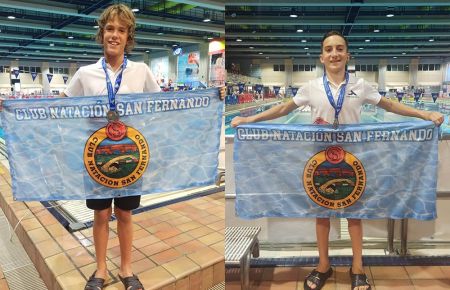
x=331 y=33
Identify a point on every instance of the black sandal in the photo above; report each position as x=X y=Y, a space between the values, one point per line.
x=318 y=278
x=359 y=280
x=132 y=281
x=94 y=283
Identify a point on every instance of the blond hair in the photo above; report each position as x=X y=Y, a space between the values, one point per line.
x=123 y=13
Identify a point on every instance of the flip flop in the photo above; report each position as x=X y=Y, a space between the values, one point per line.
x=94 y=283
x=318 y=278
x=132 y=281
x=359 y=280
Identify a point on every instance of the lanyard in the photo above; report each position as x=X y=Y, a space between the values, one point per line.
x=112 y=93
x=337 y=107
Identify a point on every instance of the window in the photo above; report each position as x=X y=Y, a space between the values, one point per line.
x=282 y=68
x=437 y=67
x=389 y=68
x=295 y=67
x=276 y=67
x=357 y=67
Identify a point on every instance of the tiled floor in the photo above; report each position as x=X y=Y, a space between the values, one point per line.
x=179 y=246
x=381 y=278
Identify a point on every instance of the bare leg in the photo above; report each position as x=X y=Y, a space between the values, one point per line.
x=356 y=235
x=101 y=234
x=125 y=233
x=322 y=234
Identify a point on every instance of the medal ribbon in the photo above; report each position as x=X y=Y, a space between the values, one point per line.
x=112 y=92
x=340 y=101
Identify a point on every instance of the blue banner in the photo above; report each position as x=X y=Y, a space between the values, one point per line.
x=294 y=91
x=65 y=78
x=417 y=96
x=434 y=96
x=33 y=75
x=383 y=93
x=400 y=96
x=241 y=87
x=49 y=78
x=16 y=73
x=258 y=88
x=367 y=171
x=276 y=90
x=64 y=148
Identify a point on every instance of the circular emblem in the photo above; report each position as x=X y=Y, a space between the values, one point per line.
x=116 y=156
x=334 y=178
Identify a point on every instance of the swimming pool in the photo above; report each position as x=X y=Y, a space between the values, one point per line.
x=370 y=114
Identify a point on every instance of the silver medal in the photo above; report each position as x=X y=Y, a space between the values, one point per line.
x=112 y=116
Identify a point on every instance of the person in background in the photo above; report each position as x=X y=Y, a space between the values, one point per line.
x=337 y=83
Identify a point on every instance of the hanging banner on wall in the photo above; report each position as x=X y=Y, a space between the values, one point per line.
x=258 y=88
x=400 y=96
x=160 y=69
x=189 y=68
x=49 y=77
x=241 y=87
x=65 y=78
x=294 y=91
x=434 y=96
x=276 y=90
x=16 y=73
x=417 y=96
x=64 y=149
x=367 y=171
x=33 y=75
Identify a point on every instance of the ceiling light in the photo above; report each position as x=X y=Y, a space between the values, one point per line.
x=57 y=60
x=376 y=30
x=37 y=50
x=206 y=20
x=260 y=53
x=299 y=30
x=84 y=53
x=394 y=57
x=251 y=47
x=403 y=53
x=11 y=17
x=293 y=15
x=69 y=58
x=306 y=47
x=210 y=38
x=416 y=47
x=174 y=45
x=51 y=44
x=361 y=48
x=267 y=57
x=389 y=15
x=308 y=53
x=70 y=37
x=17 y=59
x=239 y=40
x=135 y=10
x=147 y=51
x=160 y=33
x=96 y=26
x=303 y=40
x=431 y=40
x=367 y=40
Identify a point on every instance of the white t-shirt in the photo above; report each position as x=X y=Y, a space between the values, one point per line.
x=358 y=92
x=90 y=80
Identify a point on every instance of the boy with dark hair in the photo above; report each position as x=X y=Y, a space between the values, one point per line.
x=326 y=96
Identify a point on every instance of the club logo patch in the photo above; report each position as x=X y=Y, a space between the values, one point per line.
x=334 y=178
x=116 y=156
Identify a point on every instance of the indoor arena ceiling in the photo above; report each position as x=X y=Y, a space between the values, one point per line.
x=64 y=30
x=374 y=28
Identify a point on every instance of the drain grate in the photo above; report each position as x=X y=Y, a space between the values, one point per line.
x=17 y=267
